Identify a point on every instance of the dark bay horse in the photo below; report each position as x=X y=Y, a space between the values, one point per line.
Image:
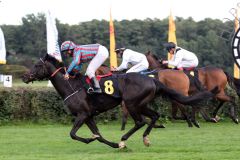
x=167 y=79
x=208 y=76
x=85 y=107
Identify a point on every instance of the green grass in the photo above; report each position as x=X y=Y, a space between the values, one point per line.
x=176 y=142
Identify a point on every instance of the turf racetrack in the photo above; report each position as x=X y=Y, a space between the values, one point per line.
x=52 y=142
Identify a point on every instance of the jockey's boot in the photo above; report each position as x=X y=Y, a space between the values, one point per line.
x=96 y=86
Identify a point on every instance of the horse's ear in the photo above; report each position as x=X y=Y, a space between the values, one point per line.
x=46 y=57
x=148 y=52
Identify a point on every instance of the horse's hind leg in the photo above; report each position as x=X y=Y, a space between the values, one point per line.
x=185 y=114
x=79 y=121
x=93 y=127
x=124 y=116
x=233 y=110
x=139 y=123
x=154 y=117
x=175 y=111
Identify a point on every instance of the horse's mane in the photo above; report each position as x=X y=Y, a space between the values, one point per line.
x=152 y=55
x=54 y=61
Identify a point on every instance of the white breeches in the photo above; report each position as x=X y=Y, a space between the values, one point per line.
x=97 y=61
x=143 y=65
x=188 y=64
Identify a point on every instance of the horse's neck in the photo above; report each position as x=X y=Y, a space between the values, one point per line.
x=153 y=64
x=63 y=87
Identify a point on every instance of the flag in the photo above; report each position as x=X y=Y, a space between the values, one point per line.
x=52 y=37
x=235 y=67
x=2 y=48
x=171 y=31
x=113 y=56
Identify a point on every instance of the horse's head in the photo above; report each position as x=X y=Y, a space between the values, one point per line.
x=42 y=70
x=153 y=60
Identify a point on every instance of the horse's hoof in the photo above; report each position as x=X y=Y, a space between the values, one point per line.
x=217 y=118
x=235 y=120
x=159 y=126
x=196 y=124
x=95 y=136
x=122 y=145
x=214 y=120
x=146 y=141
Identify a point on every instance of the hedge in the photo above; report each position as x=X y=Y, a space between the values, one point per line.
x=15 y=70
x=38 y=105
x=45 y=105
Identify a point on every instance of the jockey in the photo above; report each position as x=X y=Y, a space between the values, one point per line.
x=96 y=54
x=138 y=60
x=181 y=59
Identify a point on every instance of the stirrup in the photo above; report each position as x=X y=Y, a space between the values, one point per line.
x=90 y=90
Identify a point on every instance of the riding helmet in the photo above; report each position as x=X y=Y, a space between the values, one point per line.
x=67 y=45
x=119 y=48
x=169 y=45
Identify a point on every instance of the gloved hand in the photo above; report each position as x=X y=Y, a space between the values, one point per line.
x=164 y=62
x=113 y=69
x=66 y=76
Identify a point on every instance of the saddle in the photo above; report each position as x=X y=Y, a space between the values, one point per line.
x=108 y=84
x=150 y=73
x=192 y=74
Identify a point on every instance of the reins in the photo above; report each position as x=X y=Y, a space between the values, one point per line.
x=55 y=72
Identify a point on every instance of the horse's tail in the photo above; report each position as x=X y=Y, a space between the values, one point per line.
x=233 y=82
x=187 y=100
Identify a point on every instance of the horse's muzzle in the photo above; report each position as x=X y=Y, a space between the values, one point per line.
x=27 y=77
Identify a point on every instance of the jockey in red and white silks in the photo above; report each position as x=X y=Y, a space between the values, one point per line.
x=96 y=54
x=138 y=60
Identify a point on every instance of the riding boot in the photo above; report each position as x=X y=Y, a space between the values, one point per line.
x=96 y=86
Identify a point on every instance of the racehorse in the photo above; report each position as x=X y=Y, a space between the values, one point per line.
x=208 y=76
x=167 y=79
x=85 y=107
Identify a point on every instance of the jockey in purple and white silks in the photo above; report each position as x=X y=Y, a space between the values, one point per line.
x=137 y=60
x=96 y=54
x=181 y=58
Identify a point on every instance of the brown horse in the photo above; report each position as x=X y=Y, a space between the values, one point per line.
x=208 y=76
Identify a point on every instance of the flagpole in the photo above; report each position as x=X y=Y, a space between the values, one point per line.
x=52 y=39
x=235 y=67
x=113 y=56
x=171 y=31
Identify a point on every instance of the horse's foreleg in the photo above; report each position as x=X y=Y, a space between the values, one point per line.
x=193 y=116
x=185 y=115
x=93 y=127
x=79 y=121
